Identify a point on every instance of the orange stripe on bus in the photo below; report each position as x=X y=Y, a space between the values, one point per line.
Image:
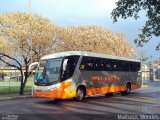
x=105 y=90
x=136 y=86
x=112 y=89
x=62 y=93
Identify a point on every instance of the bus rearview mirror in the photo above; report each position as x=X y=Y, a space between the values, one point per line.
x=65 y=64
x=32 y=64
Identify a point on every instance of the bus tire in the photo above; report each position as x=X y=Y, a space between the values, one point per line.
x=109 y=94
x=57 y=100
x=80 y=93
x=128 y=89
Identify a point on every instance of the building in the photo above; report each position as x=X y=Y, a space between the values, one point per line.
x=9 y=73
x=155 y=70
x=145 y=72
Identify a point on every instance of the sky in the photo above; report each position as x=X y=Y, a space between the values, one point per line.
x=85 y=12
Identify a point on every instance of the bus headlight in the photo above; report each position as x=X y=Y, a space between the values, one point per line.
x=54 y=87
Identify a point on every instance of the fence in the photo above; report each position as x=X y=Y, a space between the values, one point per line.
x=13 y=86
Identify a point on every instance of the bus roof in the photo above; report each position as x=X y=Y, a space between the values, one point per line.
x=84 y=53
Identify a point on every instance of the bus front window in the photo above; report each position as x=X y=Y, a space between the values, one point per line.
x=48 y=71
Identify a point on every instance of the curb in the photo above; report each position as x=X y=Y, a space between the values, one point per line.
x=144 y=86
x=15 y=97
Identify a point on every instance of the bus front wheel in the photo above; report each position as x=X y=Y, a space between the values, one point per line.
x=128 y=89
x=80 y=93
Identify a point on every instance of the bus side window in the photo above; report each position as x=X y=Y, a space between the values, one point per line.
x=132 y=66
x=102 y=64
x=90 y=64
x=70 y=68
x=112 y=65
x=86 y=64
x=138 y=66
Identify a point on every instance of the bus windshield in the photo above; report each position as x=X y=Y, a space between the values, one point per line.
x=48 y=71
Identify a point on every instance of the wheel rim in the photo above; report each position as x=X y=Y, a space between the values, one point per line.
x=80 y=94
x=128 y=88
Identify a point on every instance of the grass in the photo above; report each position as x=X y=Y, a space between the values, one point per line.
x=14 y=87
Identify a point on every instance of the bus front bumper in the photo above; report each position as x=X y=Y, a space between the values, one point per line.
x=60 y=91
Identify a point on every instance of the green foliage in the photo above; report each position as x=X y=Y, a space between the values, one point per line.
x=131 y=8
x=14 y=87
x=144 y=59
x=2 y=74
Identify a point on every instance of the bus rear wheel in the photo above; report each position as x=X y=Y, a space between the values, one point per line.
x=80 y=93
x=128 y=89
x=109 y=94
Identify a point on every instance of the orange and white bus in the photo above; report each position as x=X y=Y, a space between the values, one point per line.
x=76 y=74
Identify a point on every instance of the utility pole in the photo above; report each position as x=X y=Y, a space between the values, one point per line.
x=30 y=13
x=30 y=6
x=141 y=63
x=31 y=42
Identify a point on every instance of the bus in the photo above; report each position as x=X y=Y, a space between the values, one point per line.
x=77 y=74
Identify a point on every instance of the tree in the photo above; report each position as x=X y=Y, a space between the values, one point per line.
x=95 y=39
x=131 y=8
x=24 y=39
x=2 y=75
x=144 y=58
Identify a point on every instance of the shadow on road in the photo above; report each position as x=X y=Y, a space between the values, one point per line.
x=101 y=98
x=102 y=104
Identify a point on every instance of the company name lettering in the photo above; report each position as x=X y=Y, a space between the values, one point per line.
x=105 y=79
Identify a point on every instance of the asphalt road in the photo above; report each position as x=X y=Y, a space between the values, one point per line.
x=142 y=101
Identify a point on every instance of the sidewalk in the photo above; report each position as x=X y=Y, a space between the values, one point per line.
x=14 y=96
x=151 y=87
x=152 y=83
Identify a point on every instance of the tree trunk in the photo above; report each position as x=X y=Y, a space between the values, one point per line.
x=24 y=78
x=22 y=85
x=21 y=89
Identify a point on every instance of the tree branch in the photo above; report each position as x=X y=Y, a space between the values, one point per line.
x=4 y=55
x=10 y=64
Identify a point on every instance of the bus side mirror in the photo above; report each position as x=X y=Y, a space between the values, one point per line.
x=65 y=64
x=30 y=66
